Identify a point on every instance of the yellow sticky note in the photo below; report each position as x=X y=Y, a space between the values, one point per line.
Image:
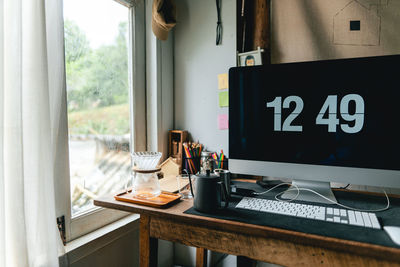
x=223 y=81
x=223 y=99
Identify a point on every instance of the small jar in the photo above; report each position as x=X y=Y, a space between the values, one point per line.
x=206 y=162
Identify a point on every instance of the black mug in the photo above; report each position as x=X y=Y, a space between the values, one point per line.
x=209 y=192
x=225 y=176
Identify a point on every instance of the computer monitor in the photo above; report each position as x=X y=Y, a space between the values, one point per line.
x=317 y=122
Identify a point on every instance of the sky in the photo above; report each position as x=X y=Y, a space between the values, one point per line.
x=99 y=19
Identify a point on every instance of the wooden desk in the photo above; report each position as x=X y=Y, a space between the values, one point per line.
x=261 y=243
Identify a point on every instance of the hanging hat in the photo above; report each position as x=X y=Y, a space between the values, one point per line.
x=163 y=18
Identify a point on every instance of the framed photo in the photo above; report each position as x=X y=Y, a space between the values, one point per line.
x=251 y=58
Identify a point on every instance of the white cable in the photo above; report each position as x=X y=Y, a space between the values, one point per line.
x=337 y=203
x=298 y=189
x=298 y=192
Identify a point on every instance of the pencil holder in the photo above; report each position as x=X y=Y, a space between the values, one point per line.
x=223 y=165
x=192 y=164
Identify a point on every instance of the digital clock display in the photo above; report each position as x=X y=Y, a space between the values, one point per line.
x=338 y=112
x=329 y=109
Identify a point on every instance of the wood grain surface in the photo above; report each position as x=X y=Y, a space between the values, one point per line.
x=148 y=245
x=201 y=257
x=164 y=200
x=273 y=245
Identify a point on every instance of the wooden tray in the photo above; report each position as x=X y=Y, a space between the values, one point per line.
x=164 y=200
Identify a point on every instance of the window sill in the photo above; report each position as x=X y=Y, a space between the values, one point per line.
x=91 y=242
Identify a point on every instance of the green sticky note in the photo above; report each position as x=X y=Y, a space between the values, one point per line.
x=223 y=99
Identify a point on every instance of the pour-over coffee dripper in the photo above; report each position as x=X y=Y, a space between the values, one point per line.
x=145 y=180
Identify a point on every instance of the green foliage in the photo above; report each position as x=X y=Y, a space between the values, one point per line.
x=97 y=83
x=76 y=43
x=113 y=120
x=95 y=77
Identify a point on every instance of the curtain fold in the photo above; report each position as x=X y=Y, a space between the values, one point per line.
x=32 y=86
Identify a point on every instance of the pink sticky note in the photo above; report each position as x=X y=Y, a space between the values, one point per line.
x=223 y=122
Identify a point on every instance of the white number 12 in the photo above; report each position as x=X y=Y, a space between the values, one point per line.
x=287 y=126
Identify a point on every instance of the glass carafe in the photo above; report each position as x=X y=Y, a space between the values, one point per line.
x=145 y=185
x=144 y=174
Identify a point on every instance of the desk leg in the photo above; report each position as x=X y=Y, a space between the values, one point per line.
x=148 y=247
x=242 y=261
x=201 y=257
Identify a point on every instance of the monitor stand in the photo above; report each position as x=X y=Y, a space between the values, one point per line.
x=324 y=188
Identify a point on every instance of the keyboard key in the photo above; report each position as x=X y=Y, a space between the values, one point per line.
x=366 y=219
x=336 y=212
x=352 y=217
x=343 y=213
x=374 y=221
x=359 y=219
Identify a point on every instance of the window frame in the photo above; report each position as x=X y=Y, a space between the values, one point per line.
x=96 y=218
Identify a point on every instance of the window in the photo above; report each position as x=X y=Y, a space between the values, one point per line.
x=103 y=105
x=96 y=58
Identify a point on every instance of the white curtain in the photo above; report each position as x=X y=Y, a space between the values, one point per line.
x=31 y=92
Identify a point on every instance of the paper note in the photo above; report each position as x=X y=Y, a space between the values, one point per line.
x=223 y=99
x=223 y=81
x=223 y=122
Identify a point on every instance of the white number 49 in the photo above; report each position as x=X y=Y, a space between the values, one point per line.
x=330 y=107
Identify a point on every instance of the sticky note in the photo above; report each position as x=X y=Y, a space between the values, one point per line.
x=223 y=81
x=223 y=122
x=223 y=99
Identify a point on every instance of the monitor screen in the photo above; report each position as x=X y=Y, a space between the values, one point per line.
x=341 y=113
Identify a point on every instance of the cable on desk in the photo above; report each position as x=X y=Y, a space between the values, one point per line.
x=276 y=196
x=341 y=187
x=344 y=206
x=298 y=189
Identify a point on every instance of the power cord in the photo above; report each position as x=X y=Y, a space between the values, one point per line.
x=341 y=187
x=344 y=206
x=298 y=189
x=276 y=196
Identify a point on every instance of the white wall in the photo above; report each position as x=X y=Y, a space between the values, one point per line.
x=197 y=63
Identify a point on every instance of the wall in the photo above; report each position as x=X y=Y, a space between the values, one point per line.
x=123 y=251
x=304 y=30
x=116 y=244
x=197 y=63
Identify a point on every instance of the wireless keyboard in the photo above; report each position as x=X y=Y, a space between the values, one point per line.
x=344 y=216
